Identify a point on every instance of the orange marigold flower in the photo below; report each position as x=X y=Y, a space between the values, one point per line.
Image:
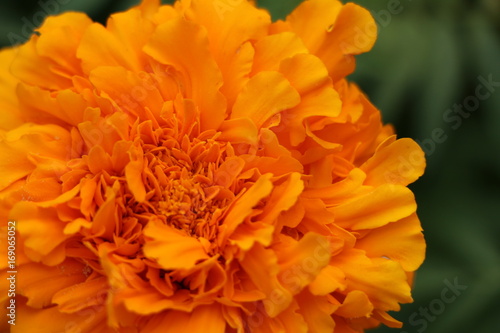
x=199 y=168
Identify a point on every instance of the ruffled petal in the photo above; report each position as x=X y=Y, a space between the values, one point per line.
x=336 y=34
x=46 y=62
x=170 y=247
x=120 y=43
x=41 y=229
x=231 y=29
x=244 y=206
x=201 y=77
x=259 y=103
x=387 y=286
x=271 y=50
x=317 y=312
x=17 y=146
x=261 y=266
x=356 y=304
x=83 y=295
x=302 y=262
x=38 y=283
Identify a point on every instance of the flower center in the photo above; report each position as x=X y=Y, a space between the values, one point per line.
x=182 y=187
x=187 y=205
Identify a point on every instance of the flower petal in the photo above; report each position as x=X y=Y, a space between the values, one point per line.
x=316 y=311
x=106 y=218
x=133 y=174
x=68 y=27
x=244 y=205
x=247 y=234
x=261 y=266
x=283 y=197
x=385 y=204
x=104 y=46
x=132 y=92
x=39 y=283
x=387 y=286
x=50 y=320
x=241 y=130
x=202 y=319
x=327 y=281
x=201 y=75
x=407 y=245
x=356 y=304
x=17 y=145
x=40 y=227
x=77 y=297
x=265 y=95
x=170 y=247
x=10 y=116
x=46 y=62
x=231 y=30
x=271 y=50
x=336 y=34
x=302 y=262
x=402 y=162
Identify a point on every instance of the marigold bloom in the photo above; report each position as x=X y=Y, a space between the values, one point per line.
x=198 y=168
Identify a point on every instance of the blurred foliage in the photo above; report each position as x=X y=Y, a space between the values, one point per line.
x=427 y=59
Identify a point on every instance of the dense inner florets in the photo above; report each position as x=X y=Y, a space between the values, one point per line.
x=184 y=186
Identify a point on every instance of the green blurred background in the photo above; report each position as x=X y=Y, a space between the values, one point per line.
x=428 y=61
